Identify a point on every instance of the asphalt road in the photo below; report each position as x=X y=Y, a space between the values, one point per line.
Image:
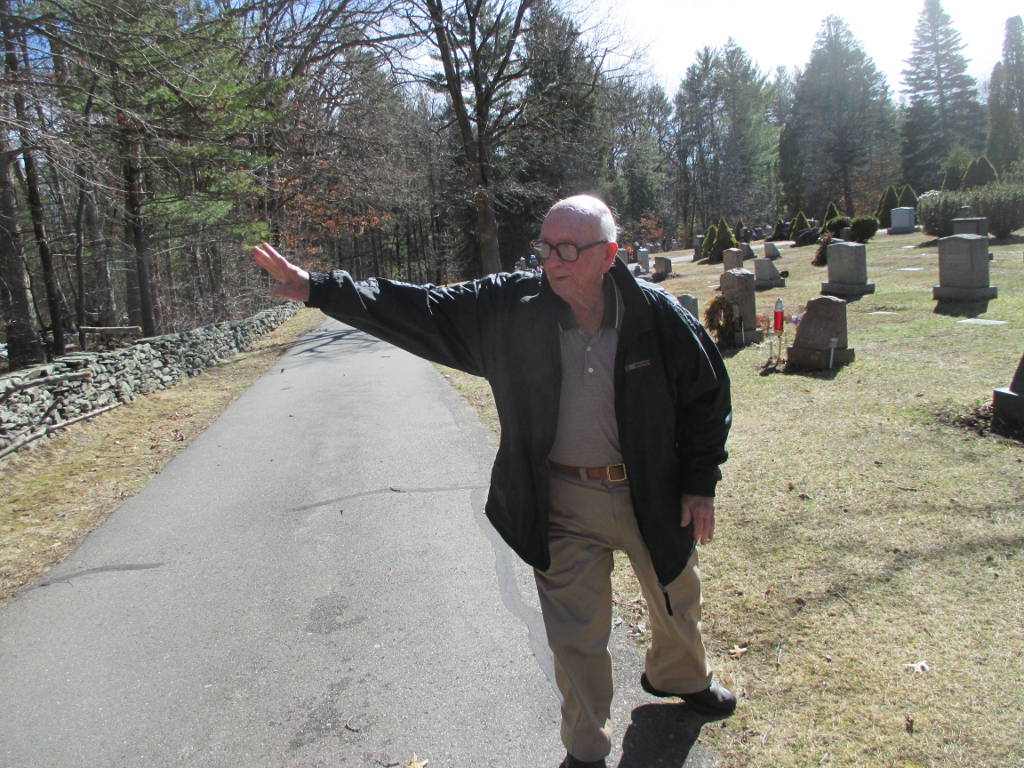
x=310 y=583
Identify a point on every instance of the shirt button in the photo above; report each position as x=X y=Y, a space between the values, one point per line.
x=590 y=370
x=588 y=349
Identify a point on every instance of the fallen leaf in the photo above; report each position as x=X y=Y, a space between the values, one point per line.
x=416 y=763
x=803 y=496
x=737 y=651
x=908 y=723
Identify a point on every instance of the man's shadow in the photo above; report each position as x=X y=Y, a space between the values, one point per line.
x=664 y=736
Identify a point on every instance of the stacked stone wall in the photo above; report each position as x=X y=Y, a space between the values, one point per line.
x=89 y=381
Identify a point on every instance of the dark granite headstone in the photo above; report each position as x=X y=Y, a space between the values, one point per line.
x=821 y=331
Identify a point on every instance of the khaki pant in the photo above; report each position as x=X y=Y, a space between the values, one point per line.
x=589 y=520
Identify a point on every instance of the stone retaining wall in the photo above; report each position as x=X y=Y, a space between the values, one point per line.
x=121 y=375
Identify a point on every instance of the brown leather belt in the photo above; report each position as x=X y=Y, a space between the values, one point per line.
x=613 y=473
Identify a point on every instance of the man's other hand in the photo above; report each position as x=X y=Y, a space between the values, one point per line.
x=700 y=510
x=293 y=281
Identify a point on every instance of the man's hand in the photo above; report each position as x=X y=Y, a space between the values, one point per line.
x=293 y=281
x=700 y=510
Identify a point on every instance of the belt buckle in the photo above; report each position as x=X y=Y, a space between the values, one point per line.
x=608 y=473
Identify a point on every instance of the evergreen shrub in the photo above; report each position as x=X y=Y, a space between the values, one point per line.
x=781 y=231
x=886 y=203
x=936 y=211
x=834 y=226
x=707 y=246
x=908 y=198
x=979 y=173
x=863 y=228
x=800 y=223
x=725 y=240
x=1002 y=205
x=831 y=212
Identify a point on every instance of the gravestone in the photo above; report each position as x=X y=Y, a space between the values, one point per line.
x=963 y=212
x=662 y=265
x=771 y=251
x=977 y=225
x=737 y=286
x=821 y=341
x=732 y=258
x=847 y=271
x=963 y=269
x=1008 y=404
x=902 y=221
x=748 y=252
x=690 y=303
x=643 y=257
x=766 y=275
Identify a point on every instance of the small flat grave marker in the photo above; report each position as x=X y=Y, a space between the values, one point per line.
x=981 y=321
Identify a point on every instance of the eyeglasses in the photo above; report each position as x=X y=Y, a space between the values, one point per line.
x=564 y=251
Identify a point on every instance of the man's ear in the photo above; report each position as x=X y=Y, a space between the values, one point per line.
x=609 y=255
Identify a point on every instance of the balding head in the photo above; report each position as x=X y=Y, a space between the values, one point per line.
x=587 y=207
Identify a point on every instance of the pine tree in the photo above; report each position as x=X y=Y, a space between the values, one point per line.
x=937 y=73
x=1005 y=144
x=831 y=212
x=1013 y=64
x=822 y=156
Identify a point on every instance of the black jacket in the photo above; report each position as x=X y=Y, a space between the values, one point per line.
x=671 y=391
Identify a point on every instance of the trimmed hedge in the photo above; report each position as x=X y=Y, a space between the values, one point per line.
x=835 y=225
x=1002 y=205
x=978 y=174
x=908 y=198
x=863 y=228
x=936 y=211
x=781 y=231
x=889 y=200
x=800 y=223
x=707 y=246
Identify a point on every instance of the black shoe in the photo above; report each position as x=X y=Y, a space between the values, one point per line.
x=715 y=700
x=572 y=762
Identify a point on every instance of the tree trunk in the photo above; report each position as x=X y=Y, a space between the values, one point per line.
x=24 y=346
x=53 y=296
x=104 y=304
x=135 y=231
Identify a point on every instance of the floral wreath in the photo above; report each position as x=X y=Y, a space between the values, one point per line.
x=720 y=319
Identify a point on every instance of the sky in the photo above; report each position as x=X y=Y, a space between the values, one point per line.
x=782 y=33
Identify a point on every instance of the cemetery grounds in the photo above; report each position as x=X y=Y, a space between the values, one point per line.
x=864 y=594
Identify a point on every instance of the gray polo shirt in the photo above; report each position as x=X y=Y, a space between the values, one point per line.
x=587 y=433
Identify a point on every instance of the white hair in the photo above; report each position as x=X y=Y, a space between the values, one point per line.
x=590 y=207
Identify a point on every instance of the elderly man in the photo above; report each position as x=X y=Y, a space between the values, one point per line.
x=614 y=409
